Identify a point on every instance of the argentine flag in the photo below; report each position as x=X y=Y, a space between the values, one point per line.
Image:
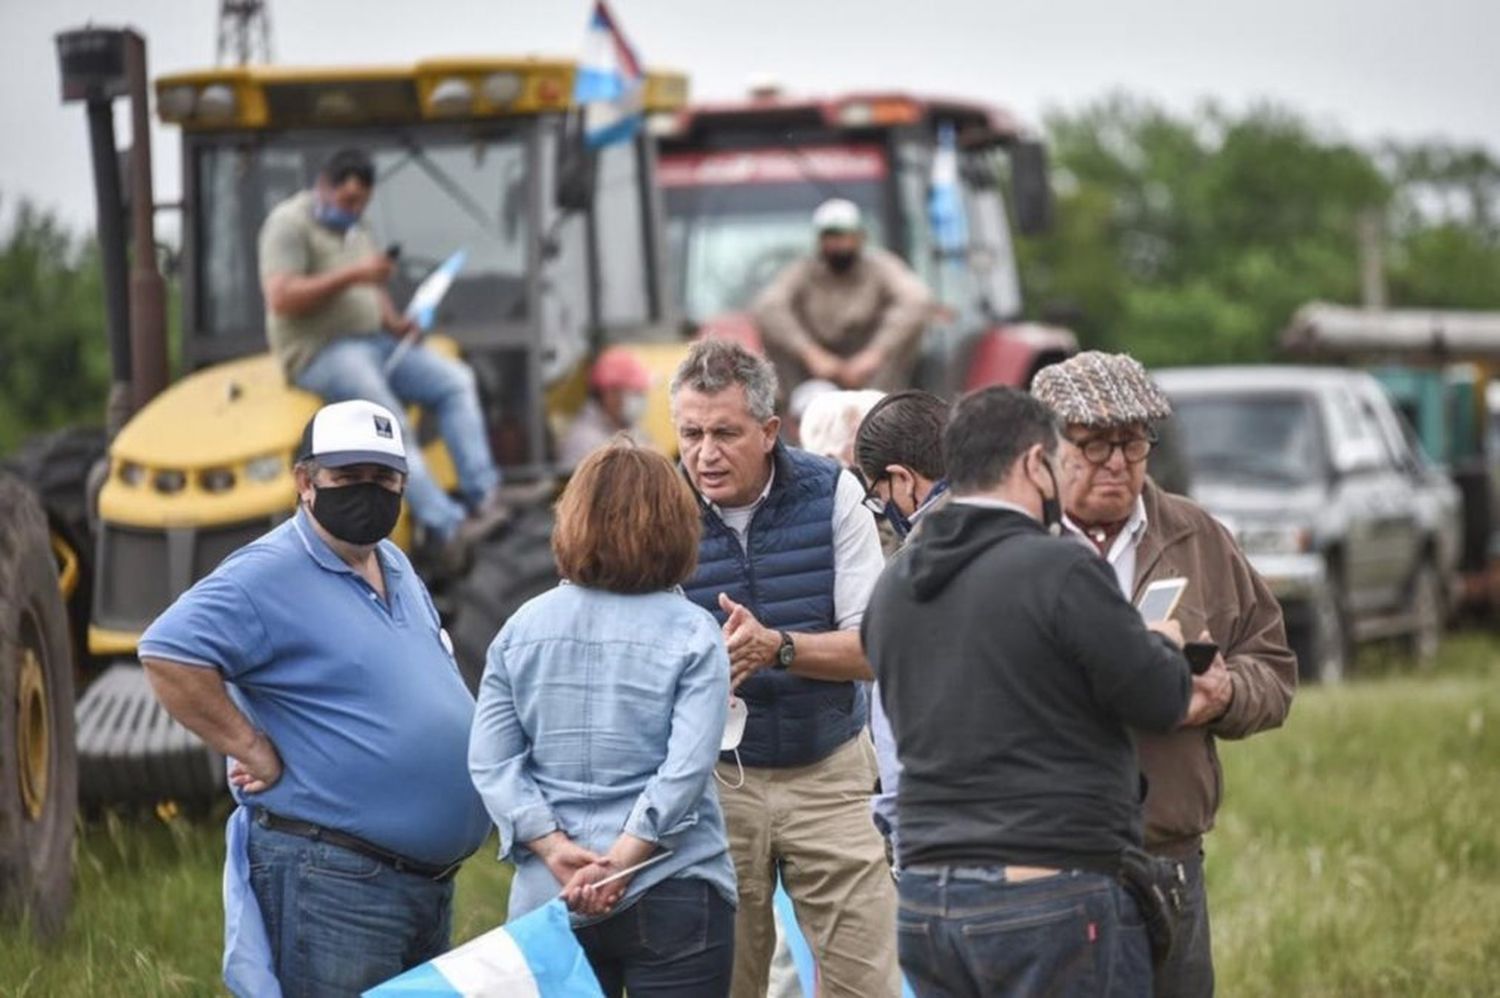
x=609 y=84
x=945 y=205
x=429 y=294
x=536 y=956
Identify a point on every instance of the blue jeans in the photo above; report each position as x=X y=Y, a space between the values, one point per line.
x=965 y=931
x=339 y=922
x=676 y=941
x=353 y=367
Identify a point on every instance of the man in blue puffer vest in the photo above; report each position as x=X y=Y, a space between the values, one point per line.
x=787 y=562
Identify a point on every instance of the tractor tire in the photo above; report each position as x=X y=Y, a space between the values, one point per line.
x=504 y=573
x=60 y=468
x=38 y=761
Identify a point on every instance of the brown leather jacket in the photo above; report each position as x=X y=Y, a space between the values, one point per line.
x=1225 y=596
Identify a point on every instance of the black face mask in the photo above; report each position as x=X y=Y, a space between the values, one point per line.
x=361 y=514
x=840 y=262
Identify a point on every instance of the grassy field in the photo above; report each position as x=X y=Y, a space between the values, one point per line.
x=1358 y=853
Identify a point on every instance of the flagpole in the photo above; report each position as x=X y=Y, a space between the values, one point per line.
x=631 y=871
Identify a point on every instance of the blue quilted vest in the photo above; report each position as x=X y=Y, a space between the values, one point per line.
x=786 y=579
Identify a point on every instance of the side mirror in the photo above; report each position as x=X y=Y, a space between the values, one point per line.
x=1031 y=187
x=577 y=167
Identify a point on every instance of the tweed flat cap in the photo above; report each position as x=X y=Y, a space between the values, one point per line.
x=1100 y=390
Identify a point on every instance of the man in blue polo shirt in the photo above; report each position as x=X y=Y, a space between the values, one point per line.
x=315 y=660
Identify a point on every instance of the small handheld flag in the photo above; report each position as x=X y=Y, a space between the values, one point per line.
x=424 y=302
x=535 y=956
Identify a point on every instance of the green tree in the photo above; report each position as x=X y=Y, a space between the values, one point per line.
x=54 y=359
x=1192 y=238
x=1445 y=227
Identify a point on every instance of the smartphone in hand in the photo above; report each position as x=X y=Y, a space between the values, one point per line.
x=1200 y=655
x=1160 y=599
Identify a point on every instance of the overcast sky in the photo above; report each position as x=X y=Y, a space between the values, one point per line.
x=1367 y=68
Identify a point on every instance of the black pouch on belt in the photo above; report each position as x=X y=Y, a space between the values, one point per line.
x=1156 y=884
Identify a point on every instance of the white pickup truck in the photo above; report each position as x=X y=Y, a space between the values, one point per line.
x=1316 y=474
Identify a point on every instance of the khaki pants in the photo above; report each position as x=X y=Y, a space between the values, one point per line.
x=812 y=823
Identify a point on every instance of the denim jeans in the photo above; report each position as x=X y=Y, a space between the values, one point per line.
x=677 y=941
x=965 y=931
x=1189 y=971
x=340 y=922
x=353 y=367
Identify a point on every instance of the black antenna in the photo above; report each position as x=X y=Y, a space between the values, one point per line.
x=244 y=32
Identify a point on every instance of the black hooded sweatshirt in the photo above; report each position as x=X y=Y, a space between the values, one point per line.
x=1011 y=667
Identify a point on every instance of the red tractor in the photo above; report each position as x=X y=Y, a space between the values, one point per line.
x=740 y=182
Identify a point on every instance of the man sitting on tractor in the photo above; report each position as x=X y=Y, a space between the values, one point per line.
x=851 y=314
x=335 y=329
x=618 y=383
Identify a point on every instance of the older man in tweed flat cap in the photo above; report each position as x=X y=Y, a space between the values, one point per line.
x=1109 y=409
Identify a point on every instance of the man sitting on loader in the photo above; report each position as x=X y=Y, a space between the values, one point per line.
x=335 y=330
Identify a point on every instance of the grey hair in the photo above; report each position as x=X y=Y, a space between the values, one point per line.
x=714 y=364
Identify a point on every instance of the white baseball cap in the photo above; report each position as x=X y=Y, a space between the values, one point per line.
x=838 y=215
x=353 y=432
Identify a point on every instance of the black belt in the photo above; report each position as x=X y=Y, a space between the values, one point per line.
x=399 y=863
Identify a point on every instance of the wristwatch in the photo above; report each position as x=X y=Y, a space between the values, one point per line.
x=786 y=652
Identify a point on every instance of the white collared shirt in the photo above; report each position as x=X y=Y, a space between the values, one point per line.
x=1122 y=552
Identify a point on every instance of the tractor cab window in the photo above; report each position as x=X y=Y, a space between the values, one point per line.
x=978 y=282
x=736 y=219
x=237 y=188
x=946 y=273
x=620 y=230
x=434 y=194
x=433 y=200
x=991 y=254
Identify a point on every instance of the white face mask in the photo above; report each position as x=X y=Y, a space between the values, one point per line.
x=633 y=409
x=734 y=732
x=734 y=727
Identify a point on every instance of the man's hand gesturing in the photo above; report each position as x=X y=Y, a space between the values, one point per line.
x=752 y=646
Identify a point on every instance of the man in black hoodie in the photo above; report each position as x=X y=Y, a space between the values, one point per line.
x=1011 y=668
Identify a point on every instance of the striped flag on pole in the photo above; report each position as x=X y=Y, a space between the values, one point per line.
x=535 y=956
x=609 y=83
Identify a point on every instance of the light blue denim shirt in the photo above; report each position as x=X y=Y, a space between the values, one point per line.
x=600 y=714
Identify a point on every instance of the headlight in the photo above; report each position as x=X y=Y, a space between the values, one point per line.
x=131 y=473
x=264 y=469
x=216 y=480
x=501 y=89
x=169 y=482
x=217 y=102
x=1275 y=539
x=452 y=96
x=856 y=115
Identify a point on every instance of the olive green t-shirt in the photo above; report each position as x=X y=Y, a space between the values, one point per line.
x=291 y=242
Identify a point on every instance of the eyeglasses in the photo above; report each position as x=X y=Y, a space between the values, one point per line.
x=872 y=502
x=1098 y=450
